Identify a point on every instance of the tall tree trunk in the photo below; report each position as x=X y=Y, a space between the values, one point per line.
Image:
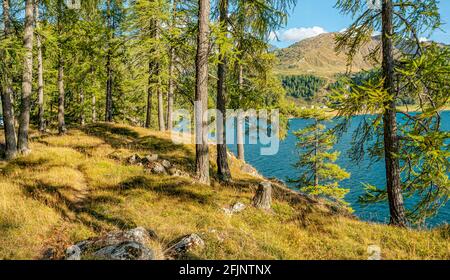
x=171 y=90
x=240 y=123
x=162 y=126
x=82 y=113
x=153 y=76
x=94 y=108
x=161 y=123
x=6 y=95
x=391 y=146
x=109 y=80
x=171 y=73
x=148 y=118
x=27 y=79
x=61 y=97
x=40 y=75
x=222 y=158
x=201 y=93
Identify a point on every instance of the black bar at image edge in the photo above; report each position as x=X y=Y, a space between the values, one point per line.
x=221 y=269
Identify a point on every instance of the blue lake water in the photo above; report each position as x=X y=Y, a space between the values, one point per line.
x=280 y=166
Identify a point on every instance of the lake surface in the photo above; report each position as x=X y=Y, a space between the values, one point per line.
x=280 y=166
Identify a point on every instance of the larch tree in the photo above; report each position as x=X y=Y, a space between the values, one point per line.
x=40 y=69
x=109 y=77
x=401 y=23
x=201 y=92
x=6 y=91
x=223 y=169
x=27 y=78
x=171 y=82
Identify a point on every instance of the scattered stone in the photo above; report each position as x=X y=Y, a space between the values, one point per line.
x=374 y=252
x=129 y=250
x=263 y=197
x=158 y=168
x=134 y=159
x=121 y=245
x=238 y=207
x=184 y=245
x=73 y=253
x=166 y=163
x=150 y=158
x=235 y=208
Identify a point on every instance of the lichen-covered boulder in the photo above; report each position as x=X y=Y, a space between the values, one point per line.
x=184 y=245
x=120 y=245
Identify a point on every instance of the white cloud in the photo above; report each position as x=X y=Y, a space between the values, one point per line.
x=423 y=39
x=298 y=34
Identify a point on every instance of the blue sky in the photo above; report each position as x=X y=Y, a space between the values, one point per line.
x=312 y=17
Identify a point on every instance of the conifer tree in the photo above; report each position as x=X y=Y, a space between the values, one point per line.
x=320 y=175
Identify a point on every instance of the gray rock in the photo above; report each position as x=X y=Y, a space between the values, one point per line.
x=120 y=245
x=128 y=250
x=150 y=158
x=185 y=244
x=73 y=253
x=166 y=163
x=238 y=207
x=235 y=208
x=134 y=159
x=158 y=168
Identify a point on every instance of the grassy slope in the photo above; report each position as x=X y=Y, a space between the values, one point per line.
x=317 y=56
x=77 y=186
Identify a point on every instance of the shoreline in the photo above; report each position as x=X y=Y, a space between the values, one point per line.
x=334 y=113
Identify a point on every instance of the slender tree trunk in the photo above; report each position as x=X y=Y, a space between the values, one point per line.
x=391 y=146
x=316 y=151
x=240 y=121
x=40 y=75
x=153 y=76
x=94 y=109
x=27 y=79
x=109 y=80
x=82 y=114
x=171 y=91
x=159 y=93
x=148 y=118
x=170 y=94
x=6 y=95
x=61 y=97
x=201 y=93
x=162 y=126
x=222 y=158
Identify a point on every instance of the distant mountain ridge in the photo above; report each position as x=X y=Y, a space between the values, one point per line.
x=317 y=56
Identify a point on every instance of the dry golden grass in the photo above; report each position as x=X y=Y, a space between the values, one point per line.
x=79 y=185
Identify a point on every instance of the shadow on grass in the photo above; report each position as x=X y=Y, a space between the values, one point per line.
x=123 y=137
x=170 y=187
x=86 y=209
x=56 y=197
